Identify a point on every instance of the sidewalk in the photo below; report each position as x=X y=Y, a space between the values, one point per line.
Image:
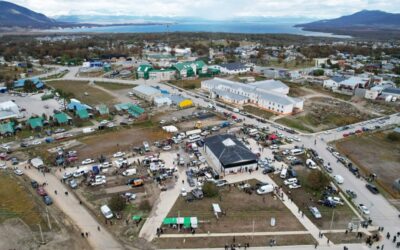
x=233 y=234
x=303 y=247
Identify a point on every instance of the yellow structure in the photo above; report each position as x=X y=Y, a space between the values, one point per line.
x=198 y=124
x=185 y=104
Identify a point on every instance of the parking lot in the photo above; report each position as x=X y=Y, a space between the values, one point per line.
x=32 y=104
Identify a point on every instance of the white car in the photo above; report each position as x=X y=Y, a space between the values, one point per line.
x=166 y=148
x=87 y=161
x=274 y=146
x=118 y=154
x=338 y=179
x=18 y=172
x=163 y=121
x=294 y=186
x=291 y=158
x=183 y=192
x=363 y=209
x=99 y=180
x=204 y=133
x=3 y=166
x=105 y=164
x=296 y=138
x=36 y=142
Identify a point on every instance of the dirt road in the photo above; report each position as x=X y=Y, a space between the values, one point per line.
x=69 y=204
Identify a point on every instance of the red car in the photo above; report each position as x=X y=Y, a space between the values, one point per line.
x=345 y=135
x=41 y=191
x=359 y=131
x=4 y=156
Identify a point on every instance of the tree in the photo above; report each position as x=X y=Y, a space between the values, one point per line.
x=317 y=180
x=318 y=72
x=210 y=190
x=393 y=136
x=29 y=86
x=117 y=203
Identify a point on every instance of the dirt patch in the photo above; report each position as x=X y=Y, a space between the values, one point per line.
x=119 y=140
x=188 y=84
x=362 y=150
x=325 y=113
x=343 y=238
x=258 y=112
x=241 y=210
x=220 y=242
x=84 y=92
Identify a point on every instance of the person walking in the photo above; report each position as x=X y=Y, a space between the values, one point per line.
x=98 y=228
x=55 y=192
x=316 y=245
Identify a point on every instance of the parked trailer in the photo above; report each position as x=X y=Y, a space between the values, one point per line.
x=193 y=132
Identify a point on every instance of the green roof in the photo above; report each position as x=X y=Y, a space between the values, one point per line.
x=170 y=221
x=36 y=122
x=6 y=128
x=82 y=113
x=132 y=109
x=61 y=118
x=144 y=68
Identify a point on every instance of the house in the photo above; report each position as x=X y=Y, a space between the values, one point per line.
x=36 y=123
x=228 y=154
x=162 y=74
x=160 y=101
x=36 y=81
x=320 y=62
x=62 y=118
x=190 y=69
x=7 y=128
x=143 y=70
x=82 y=113
x=145 y=92
x=233 y=68
x=37 y=162
x=267 y=95
x=9 y=110
x=394 y=92
x=333 y=83
x=131 y=109
x=77 y=105
x=102 y=109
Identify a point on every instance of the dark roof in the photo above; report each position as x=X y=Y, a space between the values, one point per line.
x=392 y=91
x=230 y=151
x=233 y=66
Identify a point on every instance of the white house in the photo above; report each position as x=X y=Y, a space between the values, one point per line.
x=269 y=95
x=160 y=101
x=147 y=93
x=9 y=110
x=232 y=68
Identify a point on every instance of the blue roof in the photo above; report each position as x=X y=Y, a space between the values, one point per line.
x=21 y=82
x=77 y=106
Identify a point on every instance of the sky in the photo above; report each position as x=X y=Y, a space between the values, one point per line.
x=209 y=9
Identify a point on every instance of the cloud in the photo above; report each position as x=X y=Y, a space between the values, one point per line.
x=212 y=9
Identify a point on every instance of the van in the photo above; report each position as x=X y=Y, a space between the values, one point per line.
x=265 y=189
x=236 y=110
x=81 y=171
x=311 y=164
x=283 y=174
x=146 y=146
x=194 y=138
x=106 y=211
x=129 y=172
x=252 y=132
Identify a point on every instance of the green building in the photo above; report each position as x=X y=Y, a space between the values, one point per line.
x=143 y=70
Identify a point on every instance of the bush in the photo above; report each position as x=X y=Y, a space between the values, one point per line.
x=117 y=203
x=145 y=205
x=210 y=190
x=316 y=180
x=393 y=136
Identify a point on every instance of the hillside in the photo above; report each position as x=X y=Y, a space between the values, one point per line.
x=366 y=23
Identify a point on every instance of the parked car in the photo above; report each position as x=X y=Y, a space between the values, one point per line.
x=372 y=188
x=315 y=212
x=268 y=169
x=47 y=200
x=328 y=168
x=106 y=211
x=183 y=192
x=3 y=165
x=18 y=172
x=265 y=189
x=221 y=183
x=135 y=182
x=73 y=183
x=40 y=191
x=351 y=194
x=191 y=182
x=338 y=179
x=167 y=148
x=197 y=193
x=118 y=154
x=87 y=161
x=363 y=209
x=34 y=184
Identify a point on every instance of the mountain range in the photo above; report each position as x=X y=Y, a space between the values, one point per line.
x=363 y=23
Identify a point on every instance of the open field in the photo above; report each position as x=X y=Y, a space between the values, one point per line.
x=305 y=197
x=114 y=86
x=219 y=242
x=374 y=153
x=18 y=202
x=118 y=140
x=322 y=113
x=239 y=215
x=79 y=88
x=188 y=84
x=257 y=111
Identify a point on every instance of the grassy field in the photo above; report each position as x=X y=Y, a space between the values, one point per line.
x=305 y=197
x=18 y=202
x=188 y=84
x=342 y=238
x=374 y=153
x=257 y=111
x=291 y=122
x=219 y=242
x=94 y=96
x=114 y=86
x=239 y=215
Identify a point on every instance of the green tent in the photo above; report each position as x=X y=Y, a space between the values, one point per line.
x=7 y=128
x=61 y=118
x=36 y=122
x=137 y=218
x=170 y=221
x=103 y=109
x=82 y=113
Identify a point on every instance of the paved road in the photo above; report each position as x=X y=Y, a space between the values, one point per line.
x=69 y=204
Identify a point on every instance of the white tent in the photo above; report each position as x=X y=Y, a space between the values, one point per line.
x=170 y=129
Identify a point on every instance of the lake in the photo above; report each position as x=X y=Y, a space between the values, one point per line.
x=226 y=27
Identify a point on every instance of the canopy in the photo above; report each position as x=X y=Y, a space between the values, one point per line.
x=216 y=208
x=170 y=221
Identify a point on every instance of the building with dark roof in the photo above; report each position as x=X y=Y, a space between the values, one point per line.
x=395 y=92
x=229 y=154
x=232 y=68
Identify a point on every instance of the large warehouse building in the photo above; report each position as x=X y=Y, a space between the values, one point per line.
x=229 y=154
x=270 y=94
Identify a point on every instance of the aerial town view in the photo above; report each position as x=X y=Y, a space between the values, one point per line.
x=199 y=125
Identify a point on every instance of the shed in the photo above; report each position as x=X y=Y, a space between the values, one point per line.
x=7 y=128
x=102 y=109
x=82 y=113
x=36 y=122
x=61 y=118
